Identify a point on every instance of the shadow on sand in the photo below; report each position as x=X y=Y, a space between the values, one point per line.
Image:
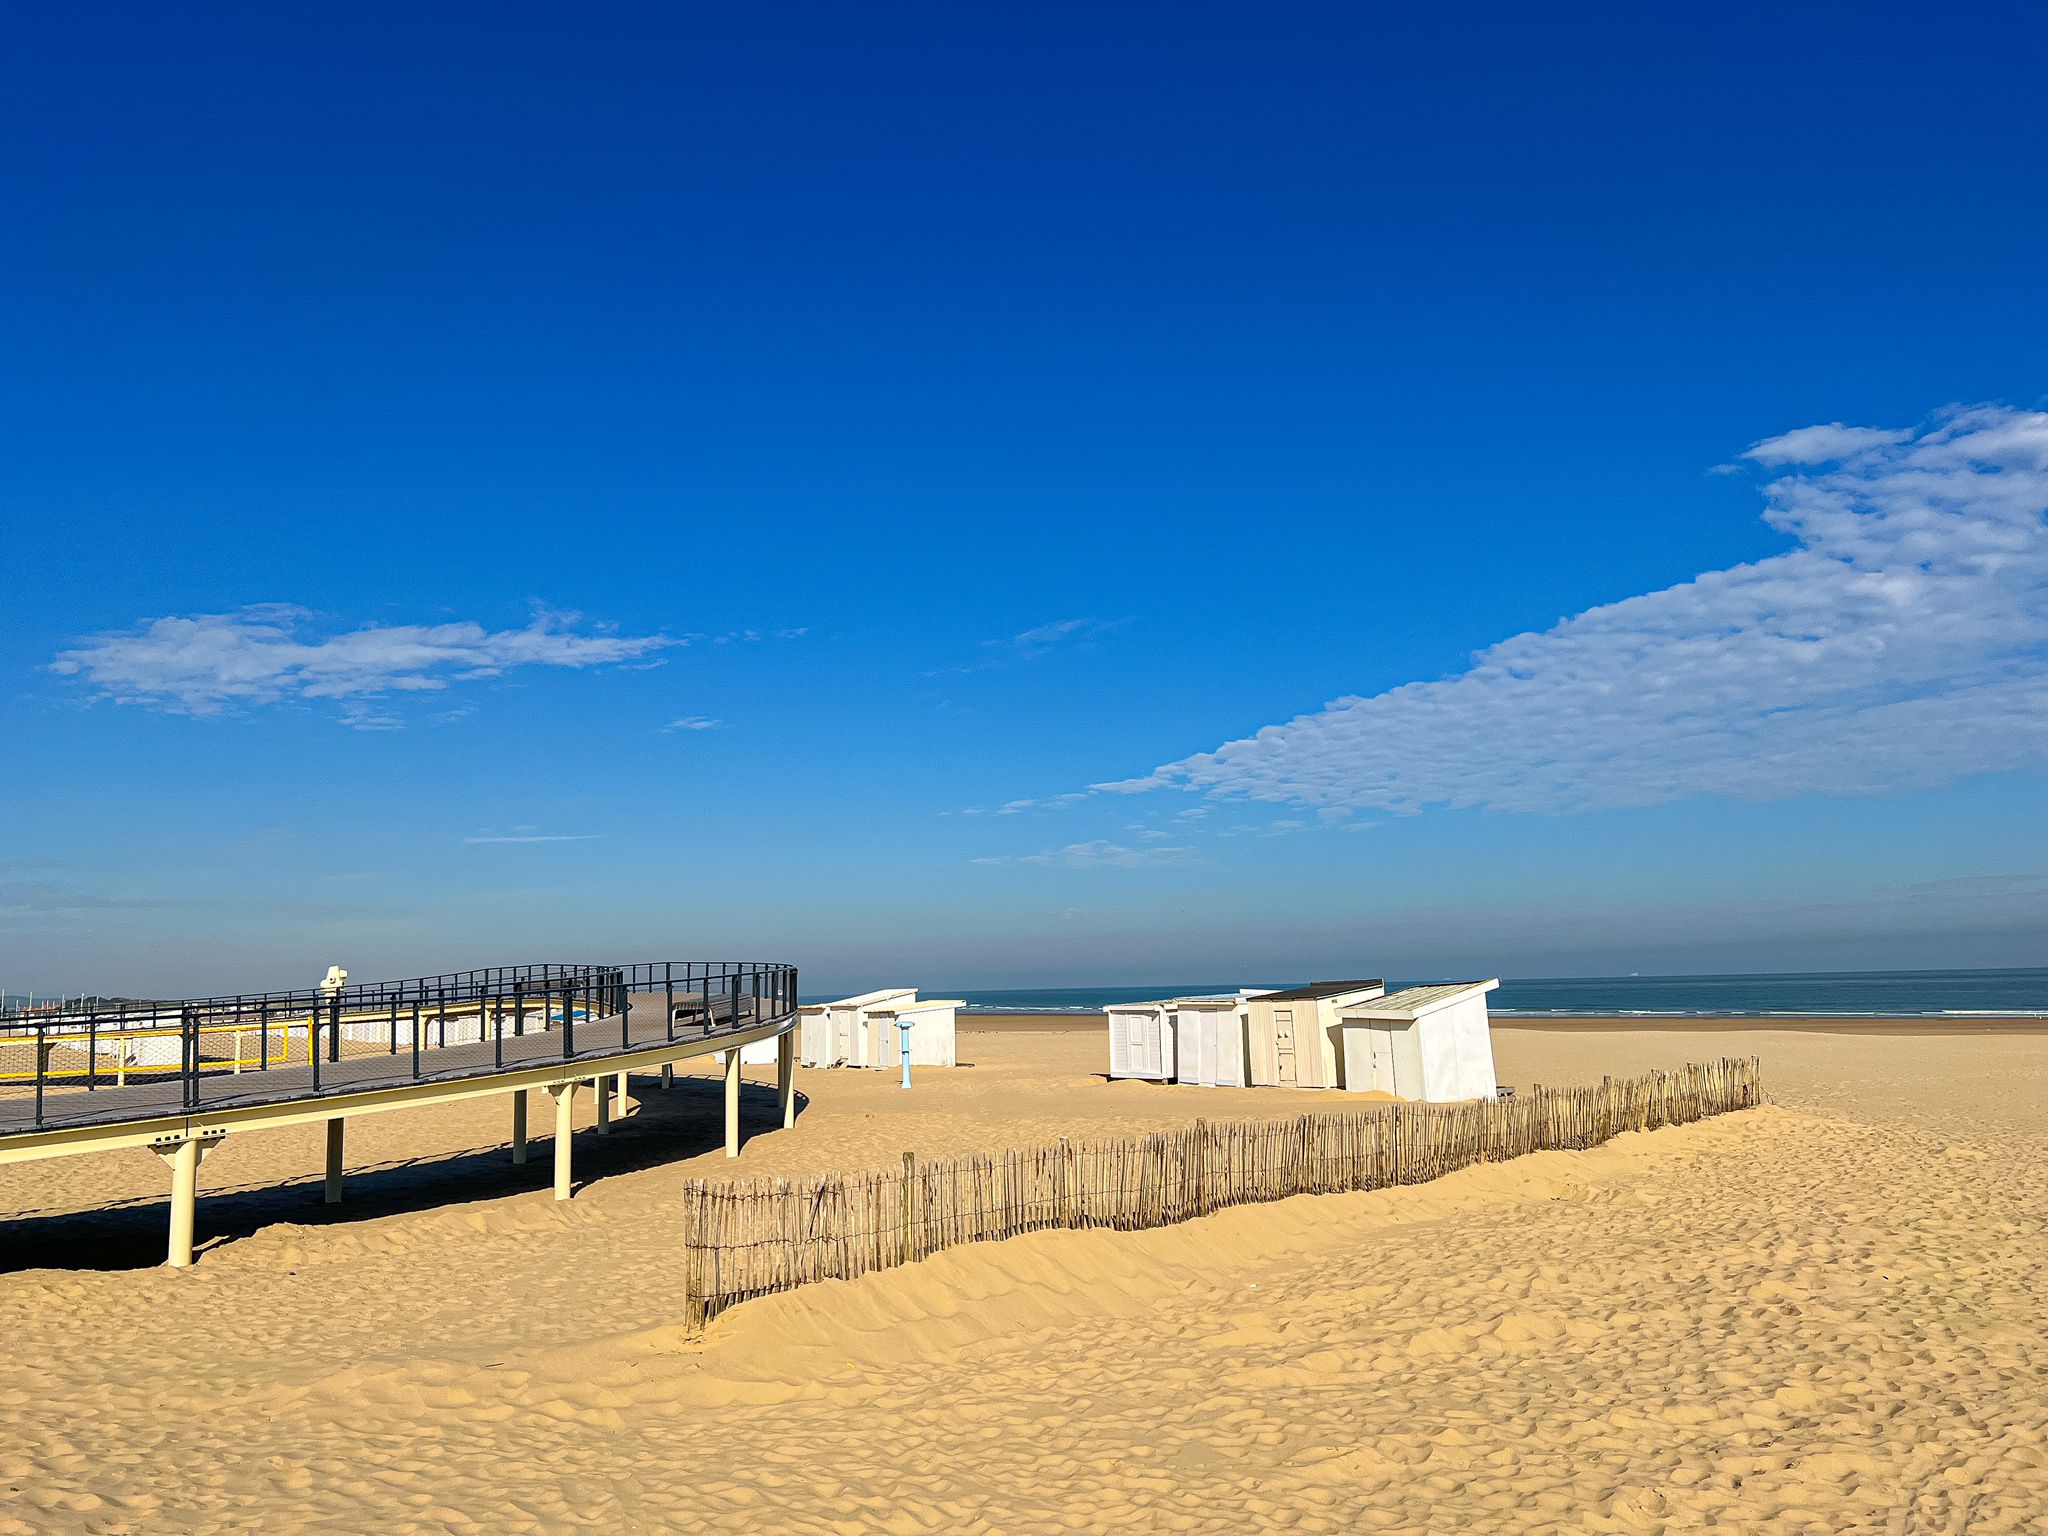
x=664 y=1126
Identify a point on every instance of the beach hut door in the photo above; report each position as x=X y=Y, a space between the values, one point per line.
x=1379 y=1040
x=1283 y=1046
x=1393 y=1060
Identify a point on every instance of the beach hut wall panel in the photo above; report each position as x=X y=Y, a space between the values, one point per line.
x=1141 y=1040
x=1292 y=1034
x=1209 y=1042
x=814 y=1035
x=934 y=1033
x=1433 y=1043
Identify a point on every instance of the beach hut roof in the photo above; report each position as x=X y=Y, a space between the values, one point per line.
x=1413 y=1002
x=867 y=998
x=1317 y=989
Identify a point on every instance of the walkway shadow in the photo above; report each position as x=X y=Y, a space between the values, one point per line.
x=665 y=1126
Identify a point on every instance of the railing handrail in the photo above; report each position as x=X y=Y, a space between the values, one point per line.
x=466 y=986
x=720 y=997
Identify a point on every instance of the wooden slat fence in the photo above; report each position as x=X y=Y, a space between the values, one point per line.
x=750 y=1238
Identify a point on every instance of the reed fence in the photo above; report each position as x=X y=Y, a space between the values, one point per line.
x=750 y=1238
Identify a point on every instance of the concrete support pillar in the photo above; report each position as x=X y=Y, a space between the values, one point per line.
x=184 y=1161
x=622 y=1095
x=603 y=1085
x=732 y=1102
x=519 y=1126
x=785 y=1076
x=564 y=1095
x=333 y=1194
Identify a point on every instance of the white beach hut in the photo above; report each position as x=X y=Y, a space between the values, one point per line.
x=814 y=1034
x=1141 y=1040
x=1292 y=1035
x=1210 y=1036
x=842 y=1038
x=934 y=1032
x=1433 y=1043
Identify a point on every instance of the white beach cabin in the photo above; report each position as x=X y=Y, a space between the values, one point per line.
x=1293 y=1034
x=839 y=1035
x=934 y=1032
x=1210 y=1036
x=1141 y=1042
x=1433 y=1043
x=813 y=1033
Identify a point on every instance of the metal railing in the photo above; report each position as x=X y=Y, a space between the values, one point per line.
x=136 y=1060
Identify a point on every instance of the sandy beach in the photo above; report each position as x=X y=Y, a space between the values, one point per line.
x=1822 y=1315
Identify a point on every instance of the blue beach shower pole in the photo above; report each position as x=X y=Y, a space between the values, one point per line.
x=903 y=1034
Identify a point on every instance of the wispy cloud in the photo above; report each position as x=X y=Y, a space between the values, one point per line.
x=1041 y=638
x=1099 y=854
x=1030 y=644
x=524 y=835
x=1902 y=643
x=695 y=723
x=212 y=663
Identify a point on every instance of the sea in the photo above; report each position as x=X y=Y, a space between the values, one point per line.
x=1848 y=994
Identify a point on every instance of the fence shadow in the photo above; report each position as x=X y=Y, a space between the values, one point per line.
x=665 y=1126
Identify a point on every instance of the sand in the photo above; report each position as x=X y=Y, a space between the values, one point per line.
x=1821 y=1316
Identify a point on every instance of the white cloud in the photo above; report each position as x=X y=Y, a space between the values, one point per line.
x=1049 y=803
x=1821 y=445
x=1030 y=644
x=209 y=663
x=1099 y=854
x=535 y=837
x=1902 y=643
x=695 y=723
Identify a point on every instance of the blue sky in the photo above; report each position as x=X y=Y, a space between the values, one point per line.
x=501 y=484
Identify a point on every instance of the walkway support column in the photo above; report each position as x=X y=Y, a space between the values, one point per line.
x=622 y=1095
x=564 y=1095
x=184 y=1161
x=785 y=1075
x=334 y=1134
x=732 y=1102
x=519 y=1126
x=603 y=1085
x=668 y=1075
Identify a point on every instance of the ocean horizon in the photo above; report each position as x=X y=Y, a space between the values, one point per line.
x=2009 y=992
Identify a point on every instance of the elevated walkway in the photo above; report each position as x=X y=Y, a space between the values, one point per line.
x=86 y=1087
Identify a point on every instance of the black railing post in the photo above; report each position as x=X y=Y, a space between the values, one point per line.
x=188 y=1040
x=394 y=1024
x=668 y=981
x=518 y=1007
x=416 y=1035
x=263 y=1023
x=92 y=1050
x=734 y=1021
x=568 y=1020
x=313 y=1045
x=334 y=1029
x=42 y=1054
